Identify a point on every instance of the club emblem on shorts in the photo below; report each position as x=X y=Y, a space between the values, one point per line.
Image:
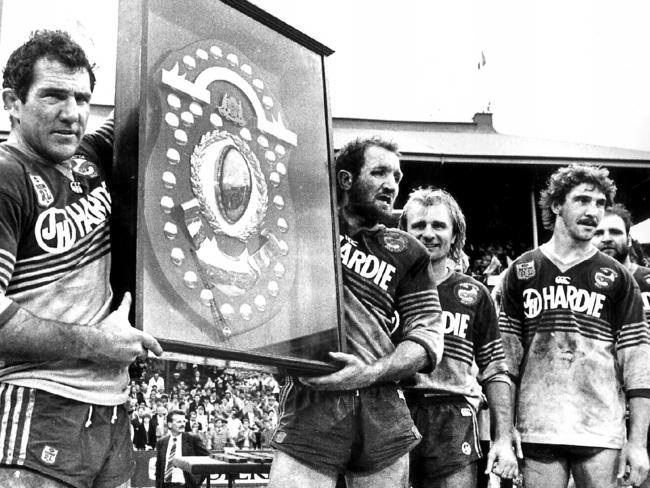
x=466 y=448
x=466 y=412
x=49 y=455
x=525 y=271
x=43 y=193
x=467 y=293
x=604 y=278
x=394 y=242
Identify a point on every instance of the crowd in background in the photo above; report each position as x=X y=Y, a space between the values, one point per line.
x=225 y=408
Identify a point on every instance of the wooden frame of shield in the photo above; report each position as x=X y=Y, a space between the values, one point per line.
x=225 y=219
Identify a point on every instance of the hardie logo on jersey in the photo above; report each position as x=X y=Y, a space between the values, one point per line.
x=562 y=297
x=525 y=271
x=43 y=193
x=366 y=265
x=467 y=293
x=57 y=229
x=394 y=241
x=455 y=323
x=604 y=278
x=562 y=280
x=49 y=454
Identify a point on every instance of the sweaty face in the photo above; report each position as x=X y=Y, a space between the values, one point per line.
x=611 y=237
x=374 y=190
x=581 y=212
x=433 y=227
x=53 y=117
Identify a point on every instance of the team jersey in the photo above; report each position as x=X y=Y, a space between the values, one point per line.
x=55 y=259
x=642 y=276
x=387 y=271
x=472 y=339
x=576 y=340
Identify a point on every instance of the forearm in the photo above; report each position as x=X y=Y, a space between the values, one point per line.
x=407 y=359
x=500 y=402
x=639 y=421
x=28 y=337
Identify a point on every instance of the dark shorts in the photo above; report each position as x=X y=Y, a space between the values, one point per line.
x=73 y=442
x=360 y=431
x=450 y=439
x=554 y=452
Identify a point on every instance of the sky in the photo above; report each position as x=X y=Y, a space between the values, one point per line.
x=570 y=70
x=574 y=70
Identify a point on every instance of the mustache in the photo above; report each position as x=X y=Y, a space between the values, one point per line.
x=588 y=221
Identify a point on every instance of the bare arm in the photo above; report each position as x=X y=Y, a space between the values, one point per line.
x=408 y=358
x=501 y=455
x=633 y=464
x=28 y=337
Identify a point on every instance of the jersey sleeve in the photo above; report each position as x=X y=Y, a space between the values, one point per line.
x=633 y=339
x=488 y=346
x=419 y=309
x=511 y=323
x=11 y=223
x=99 y=144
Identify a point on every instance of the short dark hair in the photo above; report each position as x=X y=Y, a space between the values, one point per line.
x=619 y=210
x=351 y=157
x=428 y=197
x=170 y=415
x=565 y=179
x=54 y=45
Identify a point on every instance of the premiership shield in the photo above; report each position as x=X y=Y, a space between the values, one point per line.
x=236 y=235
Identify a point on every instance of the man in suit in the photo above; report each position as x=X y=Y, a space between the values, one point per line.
x=142 y=429
x=177 y=443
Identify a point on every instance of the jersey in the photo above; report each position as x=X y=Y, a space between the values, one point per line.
x=55 y=259
x=642 y=276
x=576 y=340
x=472 y=339
x=386 y=271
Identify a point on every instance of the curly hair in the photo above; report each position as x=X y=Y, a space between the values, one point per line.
x=352 y=156
x=428 y=197
x=565 y=179
x=54 y=45
x=619 y=210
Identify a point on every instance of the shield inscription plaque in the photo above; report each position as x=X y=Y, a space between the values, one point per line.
x=236 y=234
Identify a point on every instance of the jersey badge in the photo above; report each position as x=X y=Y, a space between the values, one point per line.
x=394 y=242
x=49 y=455
x=43 y=193
x=646 y=278
x=466 y=293
x=83 y=167
x=604 y=278
x=466 y=412
x=563 y=280
x=75 y=186
x=525 y=271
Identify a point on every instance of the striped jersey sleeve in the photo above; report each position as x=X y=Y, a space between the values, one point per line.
x=418 y=306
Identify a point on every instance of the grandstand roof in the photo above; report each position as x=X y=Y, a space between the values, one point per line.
x=478 y=141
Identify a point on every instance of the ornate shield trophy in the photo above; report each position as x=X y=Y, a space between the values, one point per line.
x=236 y=248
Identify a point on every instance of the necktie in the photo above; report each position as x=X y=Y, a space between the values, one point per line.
x=172 y=453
